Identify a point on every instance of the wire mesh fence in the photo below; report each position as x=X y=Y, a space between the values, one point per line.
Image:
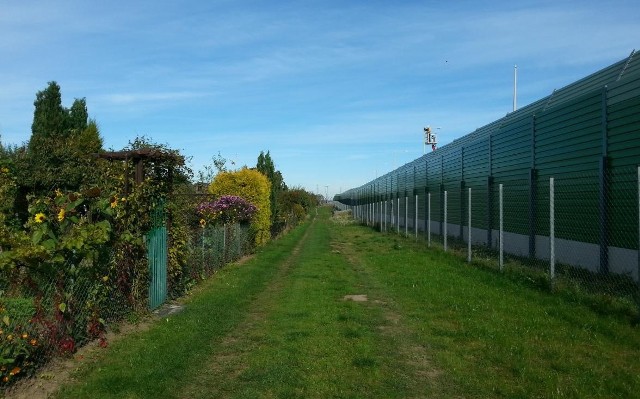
x=575 y=232
x=48 y=312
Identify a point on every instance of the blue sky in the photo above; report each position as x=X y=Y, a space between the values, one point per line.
x=338 y=91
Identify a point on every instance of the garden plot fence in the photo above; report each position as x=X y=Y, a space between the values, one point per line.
x=49 y=313
x=555 y=182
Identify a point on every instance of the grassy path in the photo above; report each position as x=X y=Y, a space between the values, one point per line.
x=279 y=326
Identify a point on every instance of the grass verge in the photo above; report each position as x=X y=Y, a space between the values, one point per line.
x=499 y=337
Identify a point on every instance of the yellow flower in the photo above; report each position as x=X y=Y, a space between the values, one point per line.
x=33 y=342
x=61 y=215
x=203 y=223
x=58 y=192
x=5 y=170
x=114 y=202
x=25 y=336
x=105 y=278
x=10 y=337
x=39 y=218
x=15 y=371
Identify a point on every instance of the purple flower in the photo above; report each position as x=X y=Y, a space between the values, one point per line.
x=227 y=209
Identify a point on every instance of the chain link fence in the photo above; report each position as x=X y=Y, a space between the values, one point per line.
x=46 y=313
x=576 y=233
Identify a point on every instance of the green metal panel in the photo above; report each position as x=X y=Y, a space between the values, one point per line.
x=511 y=150
x=157 y=256
x=476 y=169
x=565 y=140
x=624 y=153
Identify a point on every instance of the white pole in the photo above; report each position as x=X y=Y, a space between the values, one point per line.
x=469 y=232
x=398 y=216
x=445 y=221
x=429 y=219
x=415 y=220
x=501 y=235
x=515 y=87
x=406 y=216
x=385 y=215
x=552 y=232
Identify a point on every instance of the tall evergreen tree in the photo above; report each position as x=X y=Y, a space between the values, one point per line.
x=49 y=116
x=62 y=141
x=78 y=115
x=266 y=166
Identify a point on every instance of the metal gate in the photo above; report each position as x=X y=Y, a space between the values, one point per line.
x=157 y=255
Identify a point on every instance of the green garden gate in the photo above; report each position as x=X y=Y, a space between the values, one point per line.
x=157 y=255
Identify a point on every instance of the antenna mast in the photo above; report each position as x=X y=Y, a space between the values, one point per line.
x=515 y=87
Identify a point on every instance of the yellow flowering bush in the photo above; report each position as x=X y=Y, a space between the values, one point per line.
x=255 y=188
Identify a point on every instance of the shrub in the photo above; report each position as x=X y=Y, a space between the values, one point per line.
x=227 y=209
x=254 y=187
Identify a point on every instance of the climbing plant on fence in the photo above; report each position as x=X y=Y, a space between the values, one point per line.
x=79 y=262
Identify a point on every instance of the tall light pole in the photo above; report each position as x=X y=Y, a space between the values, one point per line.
x=326 y=193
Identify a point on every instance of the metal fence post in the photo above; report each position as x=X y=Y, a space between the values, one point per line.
x=385 y=215
x=415 y=220
x=501 y=232
x=552 y=232
x=398 y=216
x=429 y=218
x=445 y=221
x=406 y=215
x=469 y=230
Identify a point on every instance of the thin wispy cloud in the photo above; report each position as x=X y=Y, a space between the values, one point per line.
x=339 y=91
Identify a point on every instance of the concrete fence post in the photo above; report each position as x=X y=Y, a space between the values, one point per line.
x=406 y=215
x=445 y=222
x=469 y=229
x=415 y=219
x=429 y=219
x=552 y=232
x=398 y=216
x=501 y=232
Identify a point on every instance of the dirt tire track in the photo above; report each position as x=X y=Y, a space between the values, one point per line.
x=413 y=353
x=229 y=362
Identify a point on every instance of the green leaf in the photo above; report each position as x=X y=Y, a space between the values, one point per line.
x=62 y=307
x=49 y=244
x=37 y=236
x=6 y=320
x=76 y=203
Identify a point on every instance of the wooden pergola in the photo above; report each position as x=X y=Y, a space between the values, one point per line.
x=138 y=157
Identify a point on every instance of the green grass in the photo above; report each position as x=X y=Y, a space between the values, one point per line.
x=433 y=326
x=498 y=337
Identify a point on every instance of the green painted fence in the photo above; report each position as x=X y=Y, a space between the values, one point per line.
x=157 y=256
x=586 y=135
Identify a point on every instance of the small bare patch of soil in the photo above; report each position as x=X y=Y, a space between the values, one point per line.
x=356 y=298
